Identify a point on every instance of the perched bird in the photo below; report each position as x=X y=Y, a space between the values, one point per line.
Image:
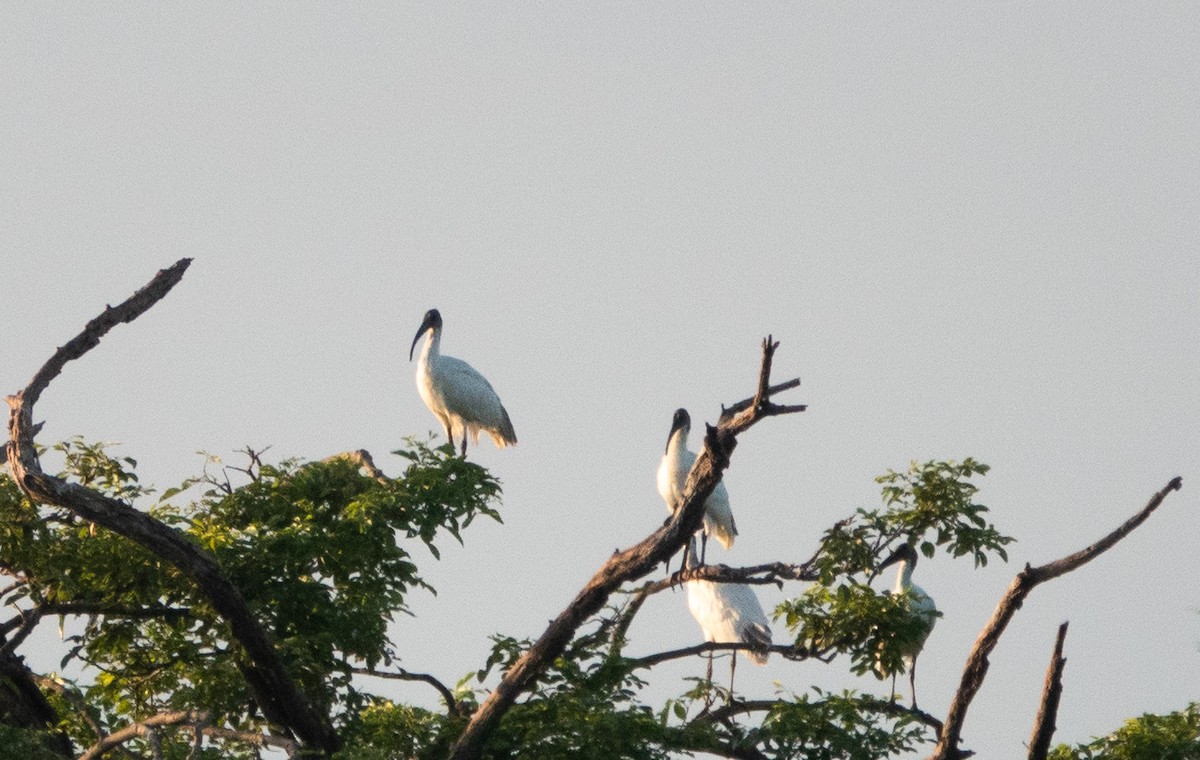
x=460 y=397
x=921 y=607
x=728 y=613
x=672 y=480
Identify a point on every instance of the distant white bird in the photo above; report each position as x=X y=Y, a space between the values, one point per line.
x=672 y=480
x=728 y=613
x=460 y=397
x=921 y=606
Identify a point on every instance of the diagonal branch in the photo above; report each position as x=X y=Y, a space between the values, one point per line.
x=276 y=692
x=976 y=667
x=1043 y=726
x=628 y=565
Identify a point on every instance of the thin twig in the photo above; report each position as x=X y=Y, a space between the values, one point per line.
x=452 y=705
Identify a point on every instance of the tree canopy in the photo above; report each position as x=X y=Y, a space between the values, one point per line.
x=248 y=609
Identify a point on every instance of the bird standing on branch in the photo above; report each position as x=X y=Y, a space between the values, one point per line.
x=460 y=397
x=672 y=481
x=922 y=611
x=728 y=613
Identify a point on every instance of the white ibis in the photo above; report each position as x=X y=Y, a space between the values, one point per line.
x=920 y=606
x=460 y=397
x=672 y=480
x=728 y=613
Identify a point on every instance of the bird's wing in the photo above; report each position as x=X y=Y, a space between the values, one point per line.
x=469 y=395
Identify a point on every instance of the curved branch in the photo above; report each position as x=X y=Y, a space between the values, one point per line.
x=452 y=706
x=196 y=719
x=275 y=690
x=628 y=565
x=976 y=666
x=133 y=730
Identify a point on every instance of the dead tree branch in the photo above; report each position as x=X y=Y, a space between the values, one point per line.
x=275 y=690
x=1043 y=727
x=631 y=564
x=976 y=666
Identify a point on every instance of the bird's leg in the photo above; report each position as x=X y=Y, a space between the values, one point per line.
x=912 y=681
x=703 y=545
x=893 y=697
x=687 y=550
x=464 y=448
x=732 y=668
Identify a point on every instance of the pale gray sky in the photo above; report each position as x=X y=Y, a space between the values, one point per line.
x=973 y=228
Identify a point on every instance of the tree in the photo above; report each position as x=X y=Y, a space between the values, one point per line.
x=243 y=609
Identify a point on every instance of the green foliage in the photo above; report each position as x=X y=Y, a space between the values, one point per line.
x=846 y=726
x=1175 y=736
x=841 y=612
x=321 y=552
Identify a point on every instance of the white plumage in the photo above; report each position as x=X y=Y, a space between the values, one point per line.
x=461 y=398
x=920 y=606
x=728 y=613
x=672 y=480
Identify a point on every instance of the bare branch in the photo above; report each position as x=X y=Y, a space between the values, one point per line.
x=274 y=689
x=452 y=706
x=649 y=661
x=976 y=666
x=1043 y=727
x=628 y=565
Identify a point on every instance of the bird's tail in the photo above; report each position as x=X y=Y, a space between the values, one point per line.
x=723 y=533
x=503 y=434
x=759 y=637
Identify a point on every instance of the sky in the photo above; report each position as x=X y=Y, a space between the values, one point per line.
x=972 y=228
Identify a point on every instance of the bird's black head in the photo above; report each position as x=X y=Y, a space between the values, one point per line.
x=681 y=421
x=432 y=321
x=904 y=553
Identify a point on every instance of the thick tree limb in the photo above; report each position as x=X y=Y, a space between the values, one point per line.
x=976 y=666
x=275 y=690
x=1043 y=727
x=631 y=564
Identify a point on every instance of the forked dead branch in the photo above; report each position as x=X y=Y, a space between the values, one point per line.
x=638 y=560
